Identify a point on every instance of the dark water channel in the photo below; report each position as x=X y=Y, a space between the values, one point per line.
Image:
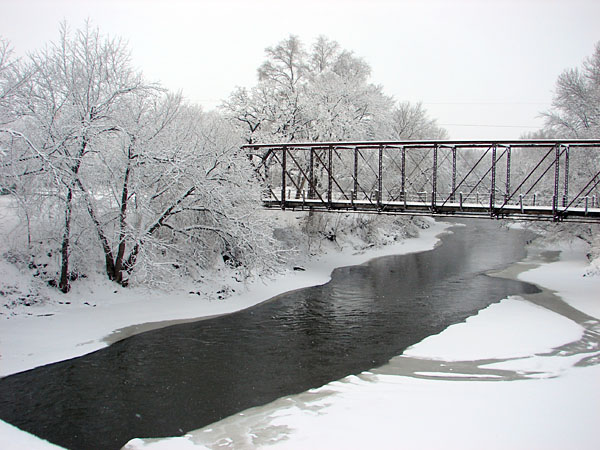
x=169 y=381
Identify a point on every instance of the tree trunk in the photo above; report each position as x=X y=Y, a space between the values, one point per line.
x=119 y=263
x=64 y=284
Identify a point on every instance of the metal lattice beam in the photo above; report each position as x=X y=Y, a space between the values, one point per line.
x=555 y=180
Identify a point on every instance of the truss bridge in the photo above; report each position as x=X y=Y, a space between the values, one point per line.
x=555 y=180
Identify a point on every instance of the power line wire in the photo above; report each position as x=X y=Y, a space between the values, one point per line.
x=487 y=126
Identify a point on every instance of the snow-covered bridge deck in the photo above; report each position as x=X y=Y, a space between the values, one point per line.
x=523 y=179
x=449 y=209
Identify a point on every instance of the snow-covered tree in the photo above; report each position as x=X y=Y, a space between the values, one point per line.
x=117 y=172
x=575 y=109
x=575 y=113
x=321 y=95
x=12 y=79
x=341 y=104
x=410 y=121
x=74 y=92
x=324 y=54
x=285 y=65
x=186 y=199
x=246 y=112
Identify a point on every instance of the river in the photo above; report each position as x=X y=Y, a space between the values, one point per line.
x=168 y=381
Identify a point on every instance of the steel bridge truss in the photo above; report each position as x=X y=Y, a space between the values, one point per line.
x=555 y=180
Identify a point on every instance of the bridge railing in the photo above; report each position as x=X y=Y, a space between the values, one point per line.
x=548 y=179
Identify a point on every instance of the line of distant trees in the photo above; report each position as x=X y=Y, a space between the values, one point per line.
x=107 y=170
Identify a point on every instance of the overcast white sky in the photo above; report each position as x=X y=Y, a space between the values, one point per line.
x=484 y=69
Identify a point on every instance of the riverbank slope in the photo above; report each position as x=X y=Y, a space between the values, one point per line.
x=98 y=313
x=88 y=319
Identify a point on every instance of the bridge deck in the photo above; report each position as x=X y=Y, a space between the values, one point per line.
x=517 y=212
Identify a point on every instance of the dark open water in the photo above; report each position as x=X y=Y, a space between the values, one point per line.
x=169 y=381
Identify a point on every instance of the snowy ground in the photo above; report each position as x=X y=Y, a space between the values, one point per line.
x=517 y=375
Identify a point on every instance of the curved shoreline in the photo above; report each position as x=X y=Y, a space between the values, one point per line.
x=308 y=339
x=60 y=332
x=313 y=276
x=428 y=389
x=489 y=369
x=426 y=374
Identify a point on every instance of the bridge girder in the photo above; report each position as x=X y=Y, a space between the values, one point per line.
x=556 y=180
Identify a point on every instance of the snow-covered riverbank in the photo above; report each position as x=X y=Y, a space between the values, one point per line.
x=88 y=318
x=98 y=312
x=521 y=374
x=416 y=401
